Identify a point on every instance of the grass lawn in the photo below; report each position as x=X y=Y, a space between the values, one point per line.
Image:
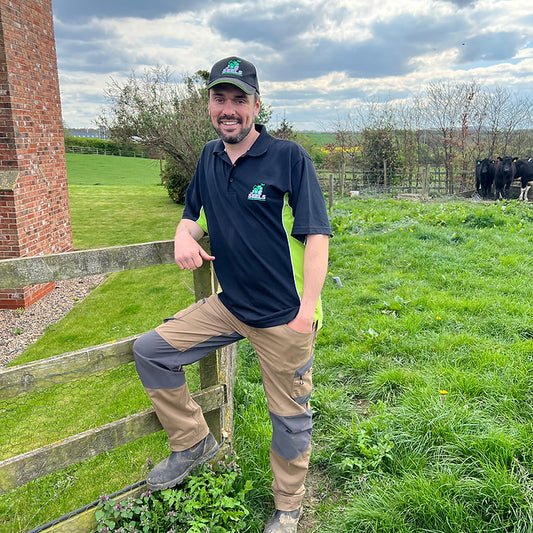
x=118 y=200
x=423 y=373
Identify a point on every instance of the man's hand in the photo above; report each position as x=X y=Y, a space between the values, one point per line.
x=301 y=324
x=188 y=254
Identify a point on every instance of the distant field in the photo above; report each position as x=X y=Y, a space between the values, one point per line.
x=322 y=138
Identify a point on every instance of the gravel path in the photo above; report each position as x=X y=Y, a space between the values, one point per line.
x=20 y=328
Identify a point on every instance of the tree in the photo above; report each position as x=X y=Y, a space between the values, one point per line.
x=506 y=113
x=265 y=114
x=379 y=146
x=167 y=116
x=343 y=150
x=446 y=108
x=380 y=153
x=311 y=147
x=284 y=131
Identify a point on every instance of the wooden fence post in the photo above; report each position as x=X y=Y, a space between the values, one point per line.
x=425 y=181
x=218 y=366
x=331 y=192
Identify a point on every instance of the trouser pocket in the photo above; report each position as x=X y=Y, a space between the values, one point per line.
x=303 y=383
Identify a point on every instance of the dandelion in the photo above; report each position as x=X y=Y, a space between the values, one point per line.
x=439 y=318
x=443 y=394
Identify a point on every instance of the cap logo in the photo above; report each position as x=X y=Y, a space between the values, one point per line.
x=233 y=68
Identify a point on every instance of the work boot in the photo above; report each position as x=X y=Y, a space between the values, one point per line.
x=175 y=468
x=283 y=521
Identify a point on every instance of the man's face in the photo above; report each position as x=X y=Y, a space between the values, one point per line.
x=232 y=112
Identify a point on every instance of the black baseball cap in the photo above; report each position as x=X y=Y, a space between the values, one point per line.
x=236 y=71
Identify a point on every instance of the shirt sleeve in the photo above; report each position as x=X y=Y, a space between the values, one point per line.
x=307 y=200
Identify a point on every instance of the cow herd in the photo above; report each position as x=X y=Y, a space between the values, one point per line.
x=500 y=174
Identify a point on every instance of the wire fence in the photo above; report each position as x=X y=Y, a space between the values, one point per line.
x=122 y=152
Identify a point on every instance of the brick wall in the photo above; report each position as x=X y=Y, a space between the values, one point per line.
x=34 y=208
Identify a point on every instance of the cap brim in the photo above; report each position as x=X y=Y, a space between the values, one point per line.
x=246 y=87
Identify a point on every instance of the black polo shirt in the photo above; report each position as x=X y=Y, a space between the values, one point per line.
x=258 y=213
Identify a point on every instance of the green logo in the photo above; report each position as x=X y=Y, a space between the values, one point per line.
x=233 y=68
x=257 y=193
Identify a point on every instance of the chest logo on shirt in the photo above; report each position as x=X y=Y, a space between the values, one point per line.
x=257 y=193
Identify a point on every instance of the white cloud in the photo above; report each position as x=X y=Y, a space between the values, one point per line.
x=315 y=57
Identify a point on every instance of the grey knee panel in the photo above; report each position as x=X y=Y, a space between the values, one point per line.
x=158 y=363
x=291 y=435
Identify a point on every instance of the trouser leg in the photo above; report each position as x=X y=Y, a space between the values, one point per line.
x=286 y=359
x=160 y=357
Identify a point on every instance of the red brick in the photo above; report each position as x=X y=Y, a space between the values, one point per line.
x=31 y=141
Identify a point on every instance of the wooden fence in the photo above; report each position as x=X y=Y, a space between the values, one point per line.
x=425 y=180
x=217 y=370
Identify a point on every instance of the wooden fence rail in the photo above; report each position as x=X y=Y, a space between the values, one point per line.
x=23 y=271
x=217 y=370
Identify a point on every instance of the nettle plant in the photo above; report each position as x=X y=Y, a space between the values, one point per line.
x=212 y=500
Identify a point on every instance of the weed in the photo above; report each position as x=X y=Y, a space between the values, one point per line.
x=212 y=500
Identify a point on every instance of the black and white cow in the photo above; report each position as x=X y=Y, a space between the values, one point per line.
x=524 y=171
x=484 y=177
x=504 y=173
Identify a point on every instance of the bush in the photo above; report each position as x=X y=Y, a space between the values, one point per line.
x=176 y=180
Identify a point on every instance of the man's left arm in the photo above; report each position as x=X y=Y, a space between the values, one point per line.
x=315 y=270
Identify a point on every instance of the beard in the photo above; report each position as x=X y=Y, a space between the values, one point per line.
x=233 y=138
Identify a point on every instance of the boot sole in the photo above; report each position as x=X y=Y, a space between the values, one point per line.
x=173 y=482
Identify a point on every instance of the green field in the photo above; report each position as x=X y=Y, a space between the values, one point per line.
x=321 y=138
x=422 y=380
x=118 y=200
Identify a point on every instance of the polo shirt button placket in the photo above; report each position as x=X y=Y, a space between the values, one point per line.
x=230 y=178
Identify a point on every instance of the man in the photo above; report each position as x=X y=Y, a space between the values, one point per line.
x=259 y=199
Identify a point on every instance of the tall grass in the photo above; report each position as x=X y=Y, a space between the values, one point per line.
x=433 y=335
x=423 y=377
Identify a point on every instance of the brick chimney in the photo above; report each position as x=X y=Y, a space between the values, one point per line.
x=34 y=206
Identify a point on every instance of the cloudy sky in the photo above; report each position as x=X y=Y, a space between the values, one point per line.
x=317 y=60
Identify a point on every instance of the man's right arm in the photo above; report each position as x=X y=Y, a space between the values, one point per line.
x=188 y=254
